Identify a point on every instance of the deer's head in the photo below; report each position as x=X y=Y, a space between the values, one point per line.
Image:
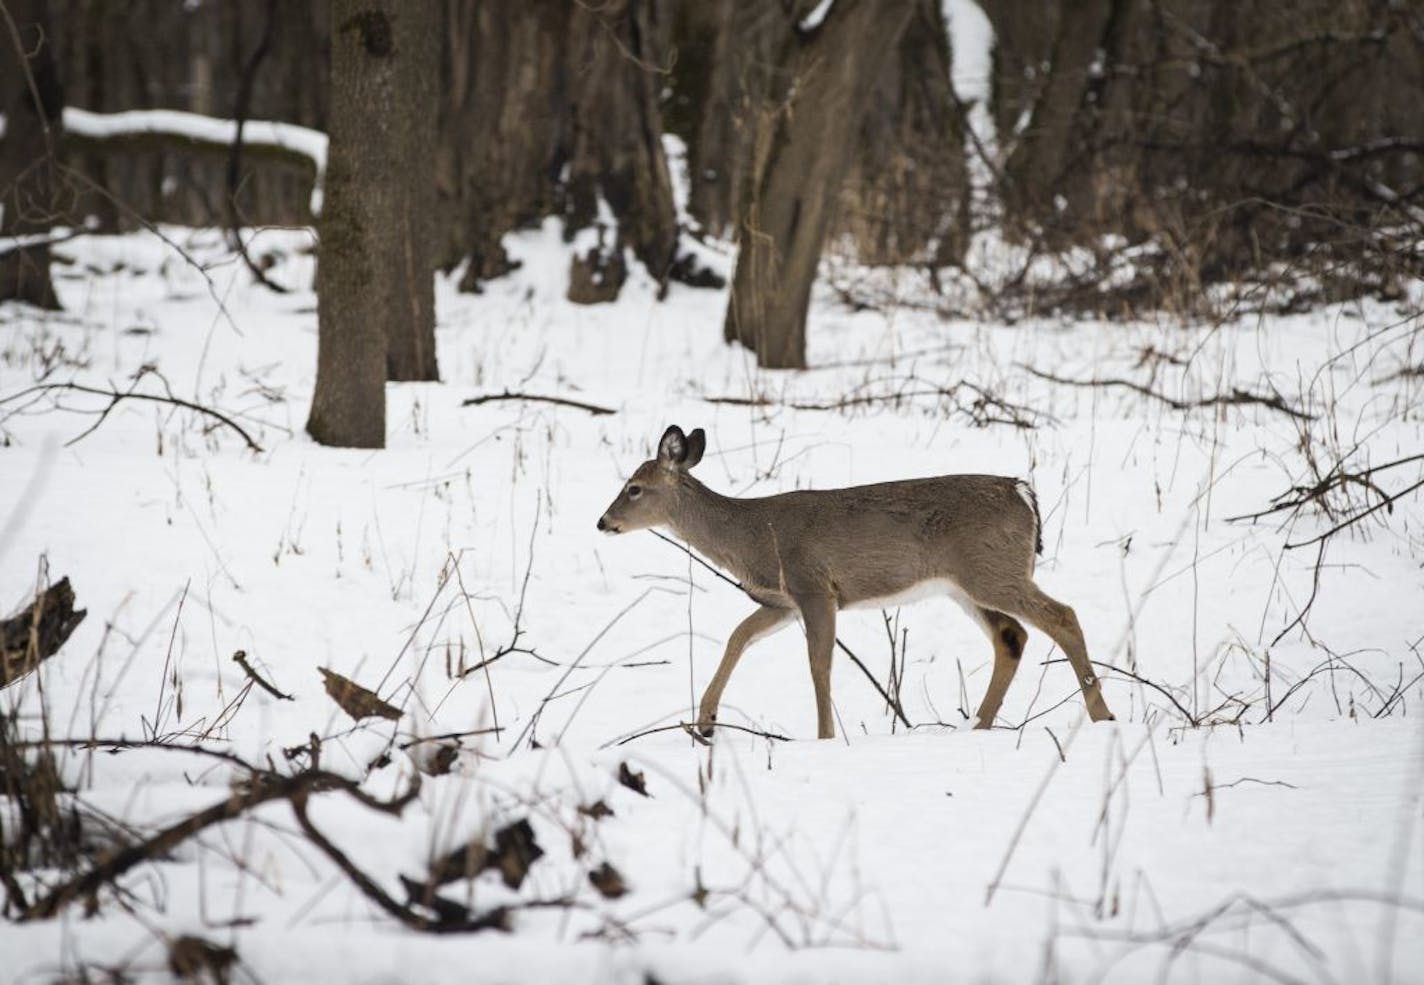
x=647 y=498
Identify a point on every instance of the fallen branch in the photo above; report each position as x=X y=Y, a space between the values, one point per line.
x=1237 y=396
x=260 y=789
x=241 y=659
x=1141 y=680
x=594 y=409
x=115 y=396
x=36 y=633
x=985 y=408
x=447 y=921
x=691 y=730
x=1350 y=521
x=1337 y=478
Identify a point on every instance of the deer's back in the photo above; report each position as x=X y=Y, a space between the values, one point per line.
x=897 y=541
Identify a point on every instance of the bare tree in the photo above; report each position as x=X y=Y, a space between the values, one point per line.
x=810 y=144
x=374 y=275
x=32 y=101
x=553 y=108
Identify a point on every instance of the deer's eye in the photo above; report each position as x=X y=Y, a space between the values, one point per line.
x=634 y=492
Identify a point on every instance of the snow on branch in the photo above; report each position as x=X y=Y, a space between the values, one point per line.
x=301 y=145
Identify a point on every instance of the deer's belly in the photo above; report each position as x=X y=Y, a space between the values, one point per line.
x=930 y=588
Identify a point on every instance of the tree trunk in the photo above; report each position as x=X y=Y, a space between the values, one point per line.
x=551 y=108
x=31 y=188
x=358 y=284
x=726 y=67
x=1040 y=158
x=158 y=54
x=906 y=197
x=410 y=328
x=812 y=144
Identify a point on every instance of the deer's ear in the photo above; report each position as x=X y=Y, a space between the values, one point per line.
x=696 y=445
x=672 y=449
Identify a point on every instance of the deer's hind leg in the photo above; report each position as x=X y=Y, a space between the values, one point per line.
x=1040 y=610
x=1008 y=636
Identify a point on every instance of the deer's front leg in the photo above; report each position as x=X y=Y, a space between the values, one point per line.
x=818 y=612
x=762 y=622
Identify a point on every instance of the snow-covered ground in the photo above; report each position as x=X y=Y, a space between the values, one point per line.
x=1281 y=840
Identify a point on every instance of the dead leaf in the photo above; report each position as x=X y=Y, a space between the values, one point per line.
x=355 y=700
x=463 y=863
x=194 y=959
x=514 y=851
x=632 y=779
x=608 y=881
x=435 y=761
x=596 y=810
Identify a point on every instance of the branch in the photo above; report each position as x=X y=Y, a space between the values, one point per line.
x=1141 y=680
x=456 y=921
x=241 y=658
x=234 y=159
x=594 y=409
x=1236 y=396
x=1336 y=477
x=979 y=409
x=261 y=789
x=1356 y=518
x=116 y=395
x=692 y=731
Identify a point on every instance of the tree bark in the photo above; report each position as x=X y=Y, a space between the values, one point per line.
x=549 y=108
x=410 y=329
x=726 y=67
x=1038 y=161
x=906 y=197
x=31 y=188
x=357 y=284
x=812 y=144
x=157 y=54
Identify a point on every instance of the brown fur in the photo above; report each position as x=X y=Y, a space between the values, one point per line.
x=812 y=552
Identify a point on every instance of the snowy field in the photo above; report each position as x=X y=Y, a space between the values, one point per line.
x=1253 y=815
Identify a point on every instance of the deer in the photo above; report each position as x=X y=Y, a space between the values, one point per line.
x=810 y=553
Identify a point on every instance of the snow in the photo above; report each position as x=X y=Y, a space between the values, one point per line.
x=971 y=46
x=817 y=16
x=971 y=75
x=205 y=129
x=1285 y=846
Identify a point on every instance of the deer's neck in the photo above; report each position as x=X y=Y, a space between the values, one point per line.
x=722 y=528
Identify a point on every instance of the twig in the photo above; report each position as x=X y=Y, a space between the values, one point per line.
x=263 y=787
x=1335 y=478
x=117 y=395
x=978 y=410
x=234 y=159
x=683 y=726
x=1235 y=397
x=594 y=409
x=1141 y=680
x=890 y=701
x=444 y=736
x=1357 y=517
x=445 y=922
x=240 y=657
